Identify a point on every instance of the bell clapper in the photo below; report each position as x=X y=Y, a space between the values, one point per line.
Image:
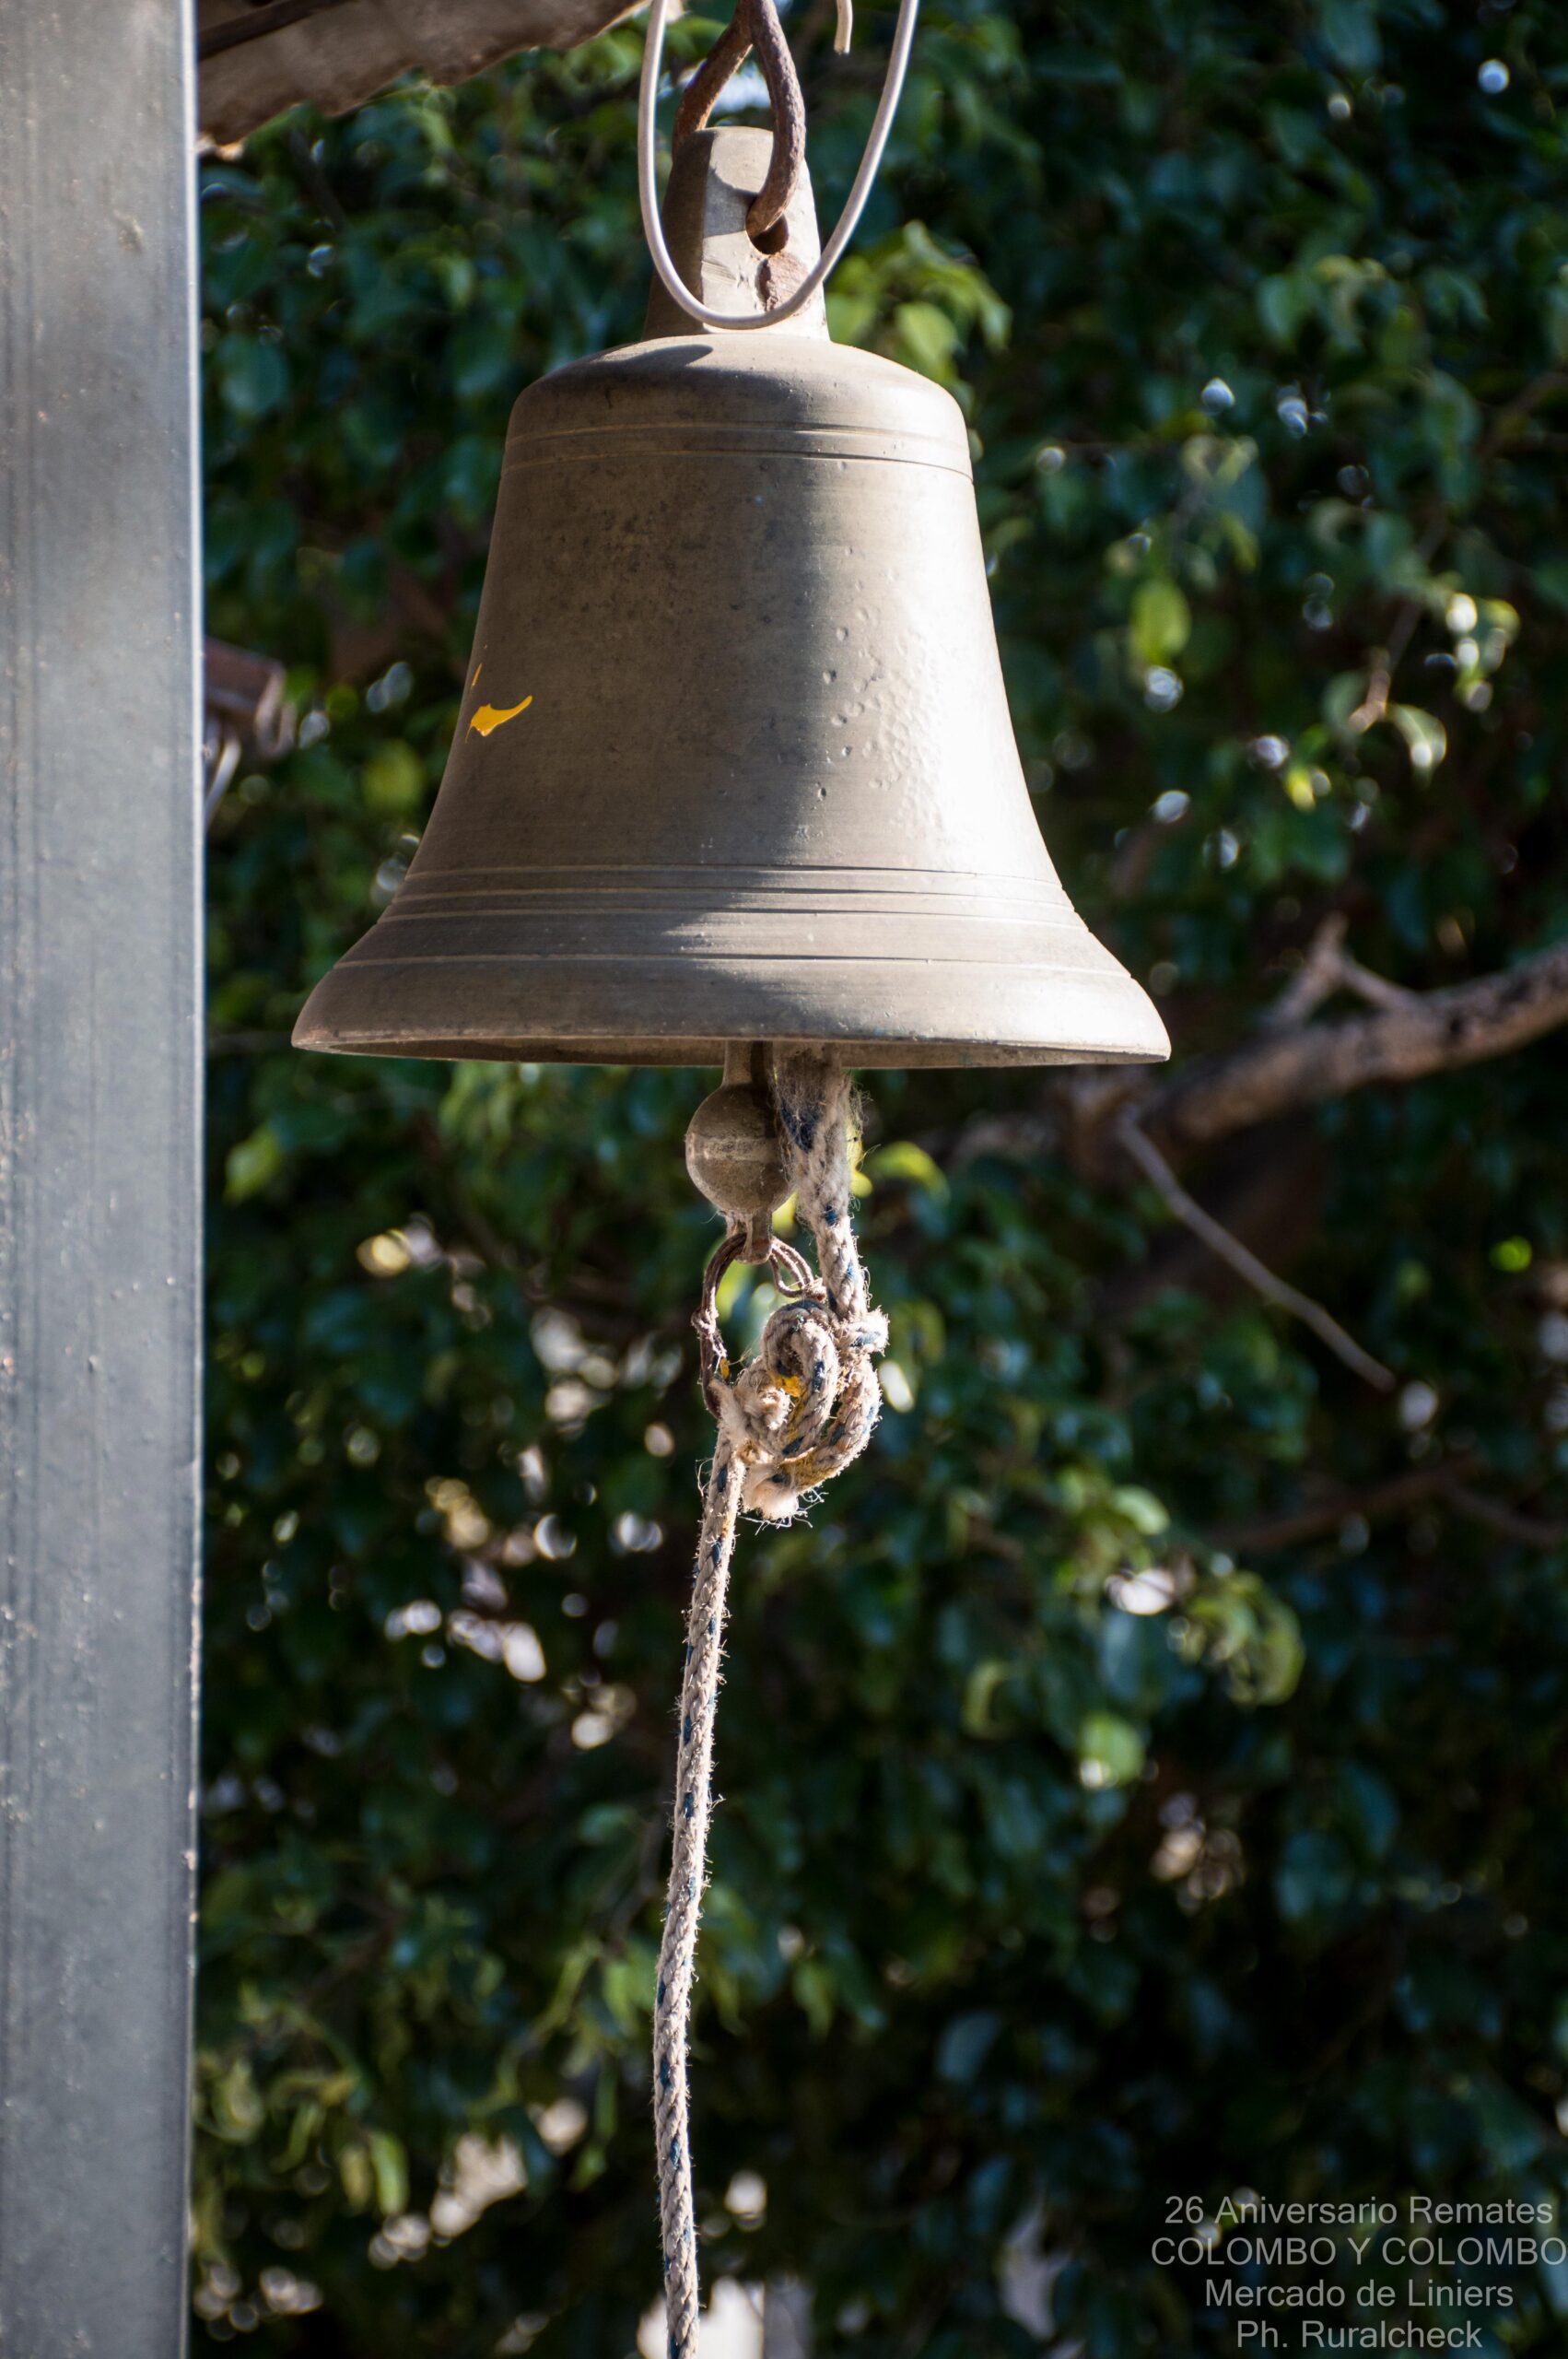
x=734 y=1151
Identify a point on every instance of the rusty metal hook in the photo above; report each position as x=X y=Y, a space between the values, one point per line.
x=754 y=26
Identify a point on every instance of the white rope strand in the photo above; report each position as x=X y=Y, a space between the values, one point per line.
x=788 y=1420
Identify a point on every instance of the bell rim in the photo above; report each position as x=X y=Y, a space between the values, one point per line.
x=1022 y=1015
x=858 y=1055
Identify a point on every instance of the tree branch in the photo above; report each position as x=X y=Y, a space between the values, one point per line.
x=1447 y=1482
x=1529 y=1530
x=1379 y=1500
x=1230 y=1249
x=1319 y=975
x=1417 y=1034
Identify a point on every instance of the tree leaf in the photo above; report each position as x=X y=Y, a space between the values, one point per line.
x=1161 y=622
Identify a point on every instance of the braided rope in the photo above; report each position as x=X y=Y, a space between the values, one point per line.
x=788 y=1420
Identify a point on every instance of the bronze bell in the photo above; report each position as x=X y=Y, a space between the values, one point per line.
x=734 y=759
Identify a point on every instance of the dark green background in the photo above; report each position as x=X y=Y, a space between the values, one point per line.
x=1029 y=1912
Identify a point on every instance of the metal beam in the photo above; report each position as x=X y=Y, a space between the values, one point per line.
x=99 y=1102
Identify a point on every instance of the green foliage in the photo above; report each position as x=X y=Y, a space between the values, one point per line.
x=1074 y=1854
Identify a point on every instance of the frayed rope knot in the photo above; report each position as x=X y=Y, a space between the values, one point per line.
x=803 y=1408
x=789 y=1421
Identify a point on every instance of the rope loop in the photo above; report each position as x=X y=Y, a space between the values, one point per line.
x=787 y=1420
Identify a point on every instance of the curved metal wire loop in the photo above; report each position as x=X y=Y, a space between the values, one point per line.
x=791 y=1273
x=647 y=163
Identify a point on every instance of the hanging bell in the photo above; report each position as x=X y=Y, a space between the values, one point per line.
x=734 y=760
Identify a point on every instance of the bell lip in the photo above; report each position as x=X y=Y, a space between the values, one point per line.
x=862 y=1056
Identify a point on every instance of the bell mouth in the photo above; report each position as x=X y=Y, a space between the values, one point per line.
x=859 y=1056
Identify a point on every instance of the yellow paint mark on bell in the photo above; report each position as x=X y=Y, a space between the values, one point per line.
x=487 y=720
